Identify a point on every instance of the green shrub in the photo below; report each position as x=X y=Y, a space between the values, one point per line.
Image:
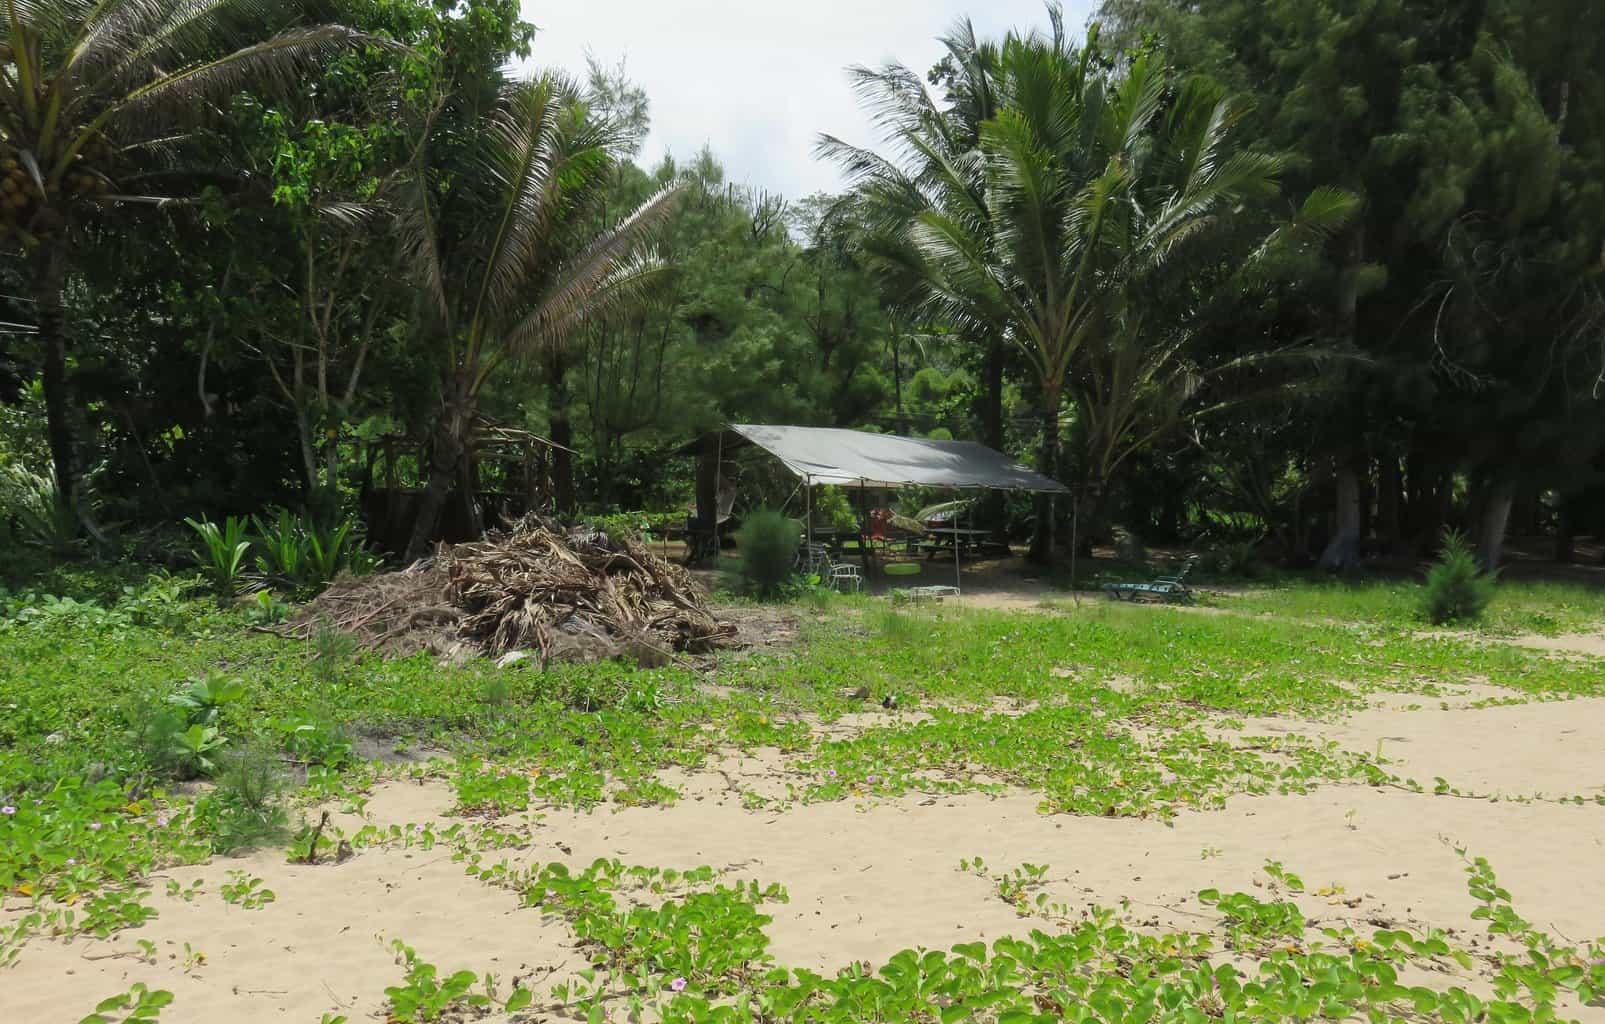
x=1237 y=558
x=333 y=650
x=160 y=602
x=641 y=526
x=767 y=542
x=305 y=556
x=833 y=508
x=180 y=734
x=266 y=609
x=222 y=556
x=1457 y=590
x=316 y=740
x=246 y=808
x=32 y=502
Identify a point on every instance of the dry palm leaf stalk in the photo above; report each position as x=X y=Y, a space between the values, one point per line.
x=566 y=594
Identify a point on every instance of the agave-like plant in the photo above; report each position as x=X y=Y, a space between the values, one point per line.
x=91 y=93
x=508 y=260
x=222 y=555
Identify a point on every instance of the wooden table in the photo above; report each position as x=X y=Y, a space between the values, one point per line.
x=947 y=538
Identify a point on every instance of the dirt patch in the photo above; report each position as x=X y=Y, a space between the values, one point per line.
x=760 y=627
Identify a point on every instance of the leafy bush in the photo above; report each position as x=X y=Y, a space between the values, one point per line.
x=32 y=503
x=159 y=602
x=1457 y=590
x=1240 y=559
x=222 y=556
x=306 y=556
x=266 y=609
x=282 y=541
x=181 y=734
x=315 y=741
x=202 y=701
x=833 y=508
x=48 y=610
x=152 y=728
x=767 y=542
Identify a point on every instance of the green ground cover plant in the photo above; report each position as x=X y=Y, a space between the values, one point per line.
x=1104 y=711
x=1261 y=960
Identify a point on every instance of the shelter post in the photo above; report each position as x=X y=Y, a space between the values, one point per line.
x=808 y=512
x=718 y=488
x=1075 y=542
x=958 y=569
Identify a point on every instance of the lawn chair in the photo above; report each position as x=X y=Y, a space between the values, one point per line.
x=1163 y=588
x=816 y=560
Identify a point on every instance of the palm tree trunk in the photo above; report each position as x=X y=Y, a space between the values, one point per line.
x=1390 y=503
x=1042 y=540
x=50 y=273
x=1494 y=519
x=1566 y=530
x=1342 y=553
x=992 y=505
x=992 y=395
x=562 y=435
x=446 y=452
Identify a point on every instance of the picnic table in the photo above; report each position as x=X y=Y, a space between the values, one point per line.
x=946 y=538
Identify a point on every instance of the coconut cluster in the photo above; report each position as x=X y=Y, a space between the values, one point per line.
x=27 y=207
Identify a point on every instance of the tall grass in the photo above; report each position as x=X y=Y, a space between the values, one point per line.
x=1545 y=607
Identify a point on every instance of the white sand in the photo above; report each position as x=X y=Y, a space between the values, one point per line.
x=869 y=879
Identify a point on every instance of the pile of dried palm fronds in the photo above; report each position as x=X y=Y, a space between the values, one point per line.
x=565 y=594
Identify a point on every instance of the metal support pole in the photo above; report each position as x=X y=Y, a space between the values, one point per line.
x=958 y=570
x=718 y=488
x=808 y=512
x=1075 y=543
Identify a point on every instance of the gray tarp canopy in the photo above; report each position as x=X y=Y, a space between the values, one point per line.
x=855 y=458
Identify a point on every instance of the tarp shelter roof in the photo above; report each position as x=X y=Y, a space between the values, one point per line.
x=856 y=458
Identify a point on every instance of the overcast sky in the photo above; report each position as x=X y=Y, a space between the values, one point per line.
x=759 y=80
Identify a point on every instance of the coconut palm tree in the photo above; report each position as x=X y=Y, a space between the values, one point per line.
x=508 y=259
x=90 y=92
x=1085 y=183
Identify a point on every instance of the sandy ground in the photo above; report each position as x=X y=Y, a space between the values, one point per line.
x=868 y=879
x=1575 y=643
x=1550 y=749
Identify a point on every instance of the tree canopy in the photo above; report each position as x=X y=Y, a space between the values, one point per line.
x=1322 y=276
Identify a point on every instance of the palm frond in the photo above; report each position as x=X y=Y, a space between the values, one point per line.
x=124 y=38
x=273 y=66
x=1325 y=211
x=593 y=277
x=624 y=286
x=418 y=233
x=525 y=160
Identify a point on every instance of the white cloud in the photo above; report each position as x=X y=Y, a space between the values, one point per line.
x=758 y=81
